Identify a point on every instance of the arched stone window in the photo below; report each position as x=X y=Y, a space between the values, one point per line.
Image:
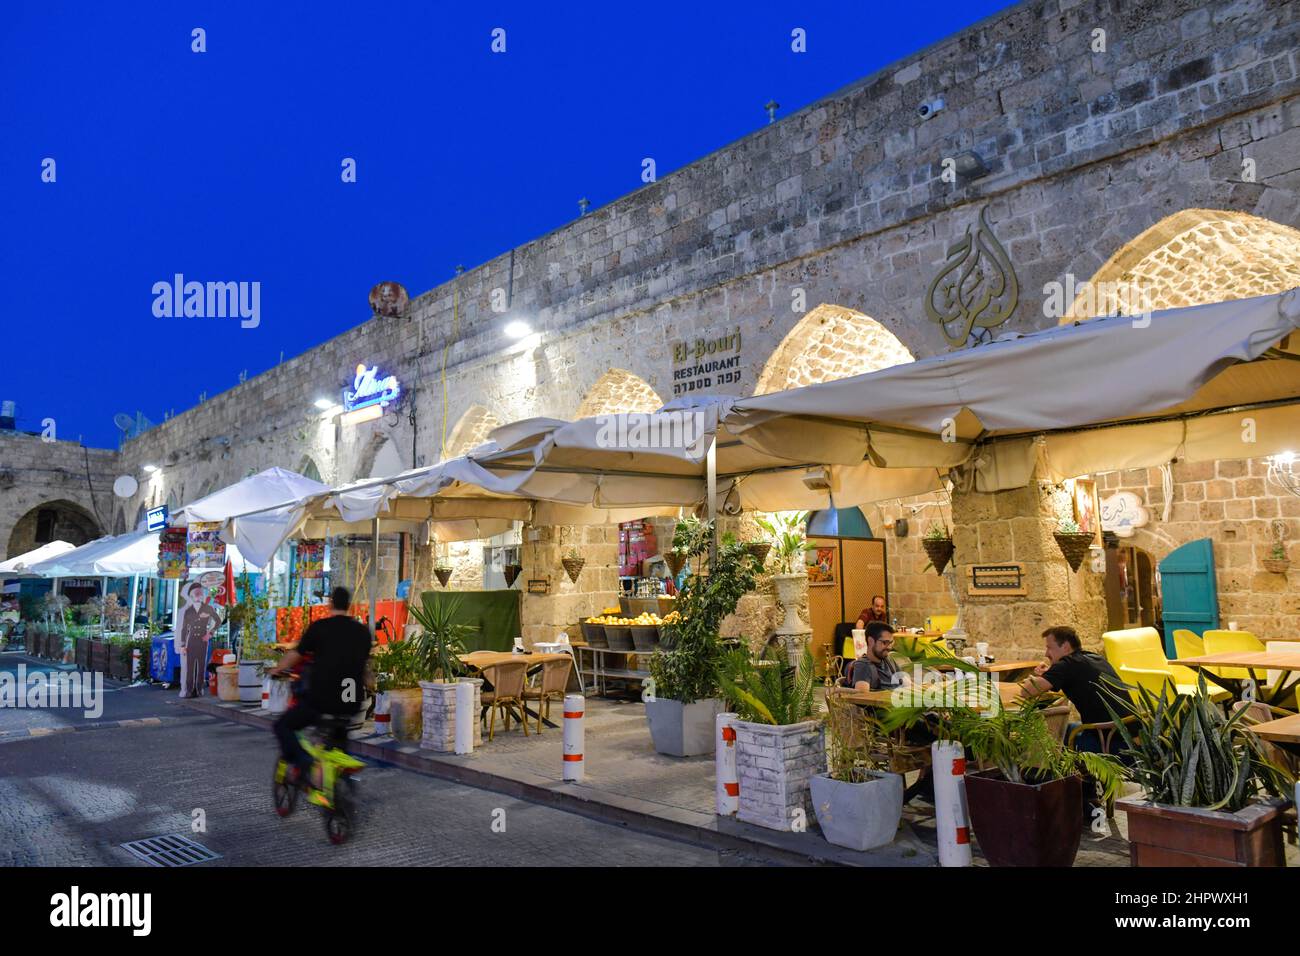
x=307 y=468
x=471 y=431
x=828 y=343
x=617 y=392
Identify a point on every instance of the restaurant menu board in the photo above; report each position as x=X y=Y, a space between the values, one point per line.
x=206 y=549
x=172 y=555
x=311 y=558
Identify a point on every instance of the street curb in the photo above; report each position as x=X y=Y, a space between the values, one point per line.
x=767 y=847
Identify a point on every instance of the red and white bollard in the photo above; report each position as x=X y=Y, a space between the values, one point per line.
x=383 y=715
x=951 y=816
x=574 y=709
x=136 y=673
x=727 y=784
x=266 y=693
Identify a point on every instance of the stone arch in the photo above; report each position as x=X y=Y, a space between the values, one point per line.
x=470 y=431
x=828 y=343
x=308 y=468
x=1193 y=257
x=619 y=391
x=119 y=522
x=57 y=520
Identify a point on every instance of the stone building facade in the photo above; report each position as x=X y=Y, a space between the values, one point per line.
x=1155 y=143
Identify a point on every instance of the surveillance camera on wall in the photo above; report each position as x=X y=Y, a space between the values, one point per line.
x=930 y=107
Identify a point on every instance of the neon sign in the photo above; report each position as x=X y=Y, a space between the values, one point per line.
x=156 y=518
x=369 y=389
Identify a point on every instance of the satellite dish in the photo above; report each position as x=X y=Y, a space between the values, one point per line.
x=125 y=486
x=124 y=421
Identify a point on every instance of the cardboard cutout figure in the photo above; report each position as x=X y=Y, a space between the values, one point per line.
x=196 y=622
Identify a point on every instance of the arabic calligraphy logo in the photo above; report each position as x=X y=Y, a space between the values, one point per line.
x=976 y=288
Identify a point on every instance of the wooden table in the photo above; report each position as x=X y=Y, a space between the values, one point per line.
x=1285 y=732
x=1254 y=662
x=1010 y=672
x=1009 y=693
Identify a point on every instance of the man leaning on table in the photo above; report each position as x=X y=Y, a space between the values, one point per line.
x=1079 y=675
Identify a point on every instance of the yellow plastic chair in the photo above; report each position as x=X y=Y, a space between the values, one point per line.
x=941 y=623
x=1188 y=643
x=1139 y=658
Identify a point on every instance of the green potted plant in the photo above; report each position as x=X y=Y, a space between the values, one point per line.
x=1211 y=797
x=858 y=800
x=400 y=668
x=681 y=698
x=786 y=531
x=1277 y=561
x=780 y=745
x=1074 y=543
x=938 y=546
x=439 y=644
x=255 y=653
x=1027 y=807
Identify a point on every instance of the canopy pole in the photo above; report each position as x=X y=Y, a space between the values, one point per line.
x=711 y=489
x=374 y=572
x=135 y=593
x=103 y=604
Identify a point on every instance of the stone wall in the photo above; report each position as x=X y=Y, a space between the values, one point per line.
x=774 y=765
x=35 y=473
x=1230 y=503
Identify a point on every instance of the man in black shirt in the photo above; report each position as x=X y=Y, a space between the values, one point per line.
x=1079 y=675
x=335 y=650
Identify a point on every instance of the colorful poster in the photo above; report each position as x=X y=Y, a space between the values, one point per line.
x=821 y=566
x=172 y=555
x=311 y=558
x=206 y=549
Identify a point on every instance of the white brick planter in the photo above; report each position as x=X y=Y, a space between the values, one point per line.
x=439 y=713
x=775 y=765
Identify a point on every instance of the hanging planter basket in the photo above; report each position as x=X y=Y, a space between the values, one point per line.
x=511 y=572
x=675 y=561
x=1276 y=565
x=443 y=575
x=1074 y=545
x=759 y=549
x=573 y=567
x=939 y=551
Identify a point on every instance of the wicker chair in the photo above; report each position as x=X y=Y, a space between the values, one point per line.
x=507 y=692
x=555 y=681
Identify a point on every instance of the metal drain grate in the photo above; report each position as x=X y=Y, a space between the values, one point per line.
x=171 y=850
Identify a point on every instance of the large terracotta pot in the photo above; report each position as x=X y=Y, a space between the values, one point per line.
x=1019 y=824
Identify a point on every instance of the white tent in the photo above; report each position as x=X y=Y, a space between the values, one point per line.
x=22 y=562
x=262 y=490
x=120 y=556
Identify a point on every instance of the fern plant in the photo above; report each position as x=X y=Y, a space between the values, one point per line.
x=1184 y=752
x=766 y=690
x=1023 y=747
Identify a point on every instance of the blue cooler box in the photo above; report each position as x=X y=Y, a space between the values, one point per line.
x=164 y=662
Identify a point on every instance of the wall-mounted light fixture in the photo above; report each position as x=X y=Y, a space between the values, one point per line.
x=970 y=164
x=518 y=329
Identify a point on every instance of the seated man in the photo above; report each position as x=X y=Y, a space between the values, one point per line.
x=876 y=612
x=1078 y=674
x=875 y=670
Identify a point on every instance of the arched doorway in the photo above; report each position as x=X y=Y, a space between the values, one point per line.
x=58 y=520
x=617 y=392
x=471 y=431
x=307 y=468
x=1132 y=587
x=828 y=343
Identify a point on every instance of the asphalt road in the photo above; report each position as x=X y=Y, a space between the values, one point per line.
x=72 y=795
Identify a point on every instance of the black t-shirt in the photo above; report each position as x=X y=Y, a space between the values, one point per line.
x=1078 y=676
x=339 y=647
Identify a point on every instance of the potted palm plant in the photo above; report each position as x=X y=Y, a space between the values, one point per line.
x=789 y=545
x=399 y=672
x=439 y=644
x=682 y=701
x=1211 y=796
x=780 y=746
x=858 y=801
x=1027 y=807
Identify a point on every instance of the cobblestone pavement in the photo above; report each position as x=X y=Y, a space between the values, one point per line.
x=71 y=799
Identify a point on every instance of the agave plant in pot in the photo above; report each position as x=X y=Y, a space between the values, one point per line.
x=400 y=670
x=439 y=644
x=1026 y=807
x=682 y=700
x=858 y=801
x=780 y=745
x=1211 y=797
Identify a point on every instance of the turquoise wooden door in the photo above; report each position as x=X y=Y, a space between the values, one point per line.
x=1188 y=591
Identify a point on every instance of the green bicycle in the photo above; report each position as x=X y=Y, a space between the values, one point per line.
x=330 y=784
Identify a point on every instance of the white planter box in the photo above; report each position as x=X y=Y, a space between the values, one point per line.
x=858 y=815
x=439 y=714
x=775 y=765
x=682 y=730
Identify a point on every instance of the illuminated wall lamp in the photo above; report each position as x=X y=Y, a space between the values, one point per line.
x=518 y=329
x=367 y=414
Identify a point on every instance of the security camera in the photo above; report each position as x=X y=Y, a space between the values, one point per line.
x=930 y=107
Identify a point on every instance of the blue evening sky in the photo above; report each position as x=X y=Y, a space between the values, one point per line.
x=225 y=165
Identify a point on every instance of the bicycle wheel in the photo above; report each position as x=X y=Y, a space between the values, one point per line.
x=341 y=821
x=285 y=795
